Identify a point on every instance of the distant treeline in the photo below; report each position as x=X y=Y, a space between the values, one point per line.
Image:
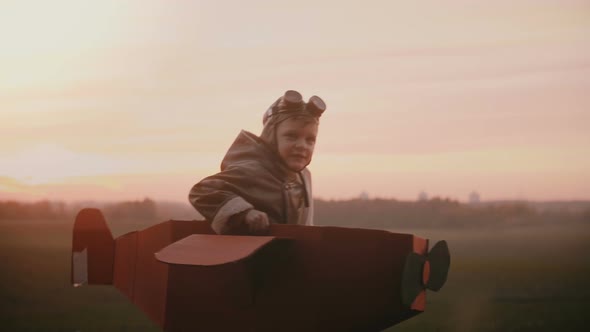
x=442 y=212
x=365 y=213
x=146 y=210
x=46 y=210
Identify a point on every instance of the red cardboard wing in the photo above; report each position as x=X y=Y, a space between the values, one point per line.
x=211 y=250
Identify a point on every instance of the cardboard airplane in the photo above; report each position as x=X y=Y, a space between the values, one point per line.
x=298 y=278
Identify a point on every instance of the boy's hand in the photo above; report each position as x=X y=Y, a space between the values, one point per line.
x=257 y=222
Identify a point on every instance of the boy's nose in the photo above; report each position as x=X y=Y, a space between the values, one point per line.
x=300 y=144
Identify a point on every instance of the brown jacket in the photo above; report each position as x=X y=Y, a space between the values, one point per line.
x=252 y=177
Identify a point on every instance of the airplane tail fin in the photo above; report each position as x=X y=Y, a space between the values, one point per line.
x=93 y=249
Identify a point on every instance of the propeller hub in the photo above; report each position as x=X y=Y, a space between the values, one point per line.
x=425 y=272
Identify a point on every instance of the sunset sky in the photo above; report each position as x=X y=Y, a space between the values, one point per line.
x=110 y=100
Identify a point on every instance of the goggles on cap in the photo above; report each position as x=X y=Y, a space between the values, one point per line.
x=293 y=103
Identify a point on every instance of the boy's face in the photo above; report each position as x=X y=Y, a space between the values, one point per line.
x=296 y=139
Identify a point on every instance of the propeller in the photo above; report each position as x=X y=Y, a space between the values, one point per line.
x=425 y=272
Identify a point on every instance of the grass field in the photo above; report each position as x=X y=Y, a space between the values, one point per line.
x=509 y=279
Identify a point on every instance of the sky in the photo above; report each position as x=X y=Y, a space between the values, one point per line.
x=122 y=100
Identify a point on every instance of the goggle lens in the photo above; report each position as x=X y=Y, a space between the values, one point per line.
x=294 y=102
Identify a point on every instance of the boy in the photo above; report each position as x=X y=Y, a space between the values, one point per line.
x=264 y=179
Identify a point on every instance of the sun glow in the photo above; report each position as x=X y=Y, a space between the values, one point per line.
x=48 y=163
x=30 y=28
x=40 y=39
x=141 y=97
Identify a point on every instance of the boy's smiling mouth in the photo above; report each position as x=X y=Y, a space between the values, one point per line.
x=299 y=156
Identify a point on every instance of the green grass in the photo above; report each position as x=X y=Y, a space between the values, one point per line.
x=35 y=290
x=510 y=279
x=519 y=279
